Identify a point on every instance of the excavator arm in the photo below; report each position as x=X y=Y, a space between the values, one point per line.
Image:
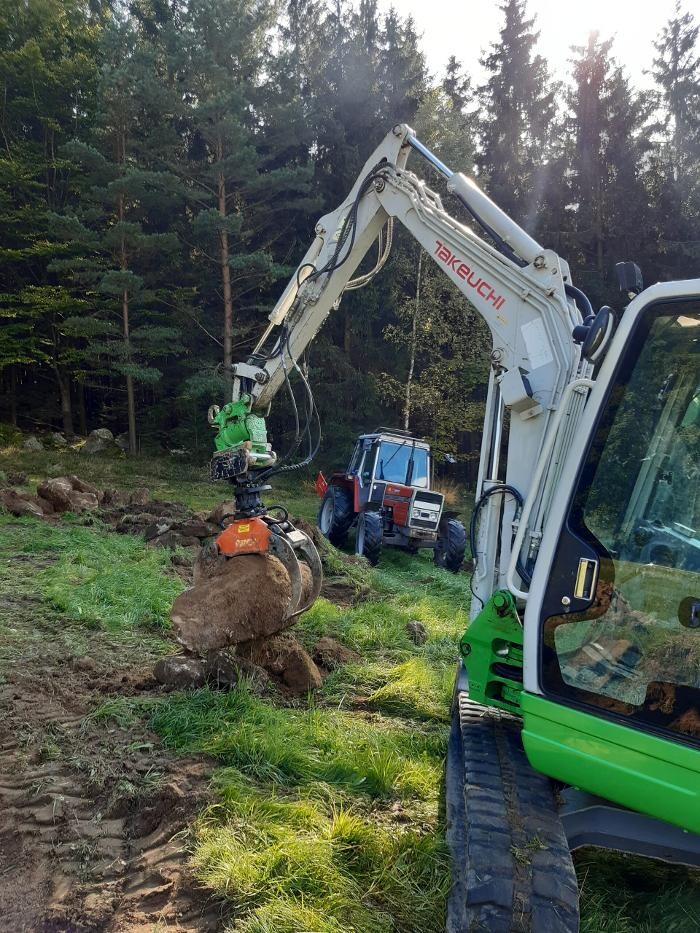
x=521 y=290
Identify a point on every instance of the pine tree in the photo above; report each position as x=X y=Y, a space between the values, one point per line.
x=676 y=168
x=48 y=76
x=117 y=255
x=610 y=141
x=244 y=173
x=518 y=105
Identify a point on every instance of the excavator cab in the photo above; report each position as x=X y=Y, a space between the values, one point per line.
x=619 y=616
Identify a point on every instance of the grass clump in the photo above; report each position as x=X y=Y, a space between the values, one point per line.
x=93 y=575
x=295 y=863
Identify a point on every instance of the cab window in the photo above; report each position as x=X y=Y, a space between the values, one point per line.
x=635 y=652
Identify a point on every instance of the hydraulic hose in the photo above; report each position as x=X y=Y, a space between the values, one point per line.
x=501 y=489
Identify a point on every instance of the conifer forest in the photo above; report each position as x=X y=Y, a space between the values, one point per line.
x=163 y=164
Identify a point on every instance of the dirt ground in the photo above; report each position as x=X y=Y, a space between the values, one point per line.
x=92 y=815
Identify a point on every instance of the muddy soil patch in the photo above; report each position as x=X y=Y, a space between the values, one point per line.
x=93 y=812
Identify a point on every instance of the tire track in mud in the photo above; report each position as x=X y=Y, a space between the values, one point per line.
x=93 y=817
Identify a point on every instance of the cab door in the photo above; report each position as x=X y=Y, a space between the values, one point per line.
x=612 y=625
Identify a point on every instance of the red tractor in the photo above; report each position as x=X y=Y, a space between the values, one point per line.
x=386 y=492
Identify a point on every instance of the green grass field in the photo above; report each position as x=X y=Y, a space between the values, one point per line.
x=327 y=811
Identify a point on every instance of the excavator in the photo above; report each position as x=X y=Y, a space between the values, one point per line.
x=576 y=708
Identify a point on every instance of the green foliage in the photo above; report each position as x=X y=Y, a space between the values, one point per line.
x=162 y=169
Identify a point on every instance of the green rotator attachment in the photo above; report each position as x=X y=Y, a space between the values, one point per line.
x=492 y=653
x=241 y=440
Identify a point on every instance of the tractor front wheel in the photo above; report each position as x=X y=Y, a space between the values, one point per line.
x=451 y=545
x=370 y=532
x=335 y=514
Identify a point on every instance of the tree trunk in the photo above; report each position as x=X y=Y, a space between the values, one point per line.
x=414 y=341
x=66 y=412
x=13 y=396
x=82 y=414
x=130 y=401
x=225 y=278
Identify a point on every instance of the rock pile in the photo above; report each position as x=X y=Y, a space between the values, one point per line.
x=53 y=496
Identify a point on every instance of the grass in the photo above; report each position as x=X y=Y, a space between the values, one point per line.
x=92 y=575
x=326 y=812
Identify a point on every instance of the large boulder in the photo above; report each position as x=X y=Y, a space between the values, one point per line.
x=58 y=440
x=33 y=444
x=233 y=601
x=68 y=494
x=99 y=441
x=58 y=492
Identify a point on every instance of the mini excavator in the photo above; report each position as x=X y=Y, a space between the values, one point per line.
x=576 y=711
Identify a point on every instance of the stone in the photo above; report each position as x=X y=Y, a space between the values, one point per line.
x=225 y=669
x=64 y=497
x=99 y=441
x=83 y=502
x=283 y=656
x=155 y=529
x=329 y=653
x=32 y=443
x=44 y=504
x=140 y=496
x=232 y=601
x=417 y=632
x=196 y=529
x=17 y=505
x=180 y=671
x=122 y=441
x=58 y=492
x=80 y=485
x=16 y=478
x=58 y=440
x=216 y=516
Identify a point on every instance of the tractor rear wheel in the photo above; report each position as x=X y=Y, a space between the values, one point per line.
x=370 y=532
x=451 y=545
x=512 y=868
x=335 y=514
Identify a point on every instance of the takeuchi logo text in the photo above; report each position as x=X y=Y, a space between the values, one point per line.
x=462 y=271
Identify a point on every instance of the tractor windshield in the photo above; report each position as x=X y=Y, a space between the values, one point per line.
x=403 y=463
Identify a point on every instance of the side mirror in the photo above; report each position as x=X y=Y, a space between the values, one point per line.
x=598 y=336
x=595 y=333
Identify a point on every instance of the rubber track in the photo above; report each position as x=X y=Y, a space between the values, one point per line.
x=512 y=868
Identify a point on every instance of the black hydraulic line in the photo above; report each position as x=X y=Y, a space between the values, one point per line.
x=581 y=299
x=502 y=488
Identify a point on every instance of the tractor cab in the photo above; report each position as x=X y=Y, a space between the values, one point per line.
x=385 y=492
x=394 y=457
